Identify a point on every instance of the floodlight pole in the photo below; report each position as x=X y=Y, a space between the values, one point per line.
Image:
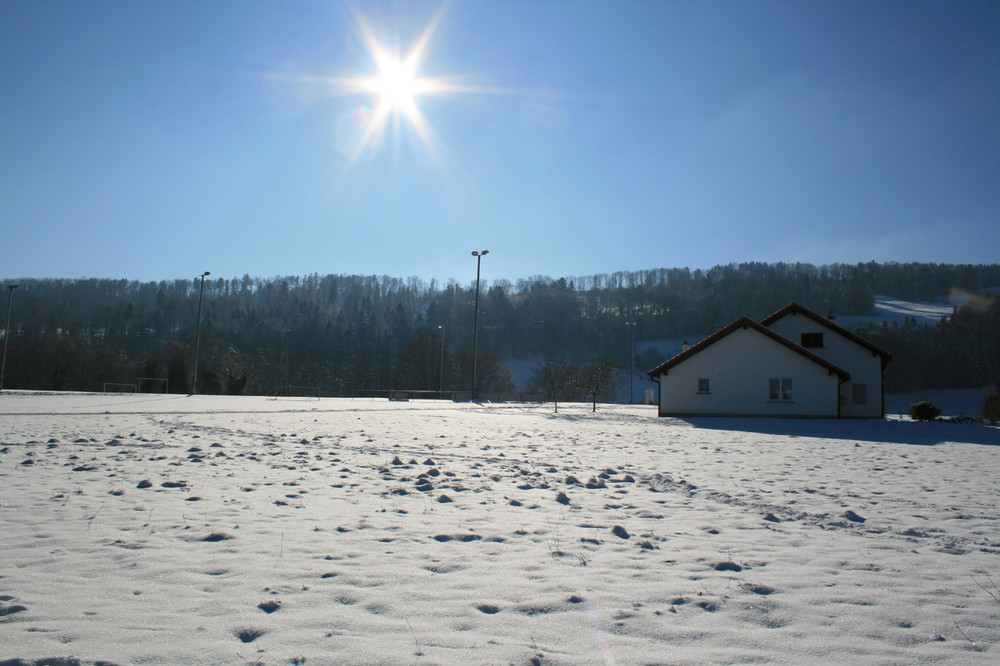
x=631 y=360
x=286 y=361
x=475 y=326
x=441 y=380
x=6 y=332
x=197 y=335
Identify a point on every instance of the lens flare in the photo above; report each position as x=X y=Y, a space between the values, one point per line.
x=394 y=89
x=397 y=85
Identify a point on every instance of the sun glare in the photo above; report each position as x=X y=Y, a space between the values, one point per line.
x=397 y=84
x=396 y=87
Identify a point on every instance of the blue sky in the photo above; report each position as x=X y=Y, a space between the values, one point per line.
x=156 y=140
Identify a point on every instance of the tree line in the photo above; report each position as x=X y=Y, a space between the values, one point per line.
x=354 y=335
x=962 y=351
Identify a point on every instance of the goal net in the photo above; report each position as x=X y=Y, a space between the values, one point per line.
x=114 y=387
x=153 y=385
x=310 y=392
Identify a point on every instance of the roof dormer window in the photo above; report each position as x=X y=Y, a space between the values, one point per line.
x=812 y=340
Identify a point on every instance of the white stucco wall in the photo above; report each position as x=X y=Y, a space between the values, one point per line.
x=864 y=366
x=738 y=368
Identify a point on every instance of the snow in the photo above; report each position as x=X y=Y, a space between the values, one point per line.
x=897 y=310
x=321 y=531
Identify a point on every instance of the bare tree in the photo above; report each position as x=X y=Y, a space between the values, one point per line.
x=599 y=379
x=493 y=375
x=554 y=378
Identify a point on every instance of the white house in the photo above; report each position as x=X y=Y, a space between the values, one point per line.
x=863 y=396
x=794 y=363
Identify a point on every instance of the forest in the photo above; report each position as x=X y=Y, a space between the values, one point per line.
x=349 y=335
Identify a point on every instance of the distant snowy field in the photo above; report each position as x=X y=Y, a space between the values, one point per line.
x=896 y=310
x=206 y=530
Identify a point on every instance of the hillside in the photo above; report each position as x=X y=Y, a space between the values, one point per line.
x=358 y=335
x=887 y=311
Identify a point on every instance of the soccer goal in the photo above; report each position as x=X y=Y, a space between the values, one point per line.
x=153 y=385
x=115 y=387
x=310 y=392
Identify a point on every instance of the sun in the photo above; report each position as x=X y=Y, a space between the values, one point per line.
x=397 y=85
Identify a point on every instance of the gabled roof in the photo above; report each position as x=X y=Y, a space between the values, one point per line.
x=795 y=309
x=744 y=323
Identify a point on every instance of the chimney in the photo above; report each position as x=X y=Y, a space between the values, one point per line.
x=685 y=346
x=831 y=315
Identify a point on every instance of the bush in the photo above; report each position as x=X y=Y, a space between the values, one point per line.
x=924 y=411
x=991 y=407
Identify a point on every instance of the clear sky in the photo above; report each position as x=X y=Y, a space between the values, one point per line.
x=156 y=140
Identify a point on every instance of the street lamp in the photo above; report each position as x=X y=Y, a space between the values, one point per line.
x=6 y=332
x=441 y=380
x=475 y=326
x=631 y=360
x=287 y=331
x=197 y=335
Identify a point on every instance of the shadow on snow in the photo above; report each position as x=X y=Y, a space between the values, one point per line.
x=888 y=432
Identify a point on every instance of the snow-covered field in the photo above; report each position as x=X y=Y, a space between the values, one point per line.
x=197 y=530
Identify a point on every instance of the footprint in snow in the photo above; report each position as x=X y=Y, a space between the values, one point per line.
x=727 y=566
x=762 y=590
x=216 y=536
x=10 y=609
x=269 y=606
x=248 y=634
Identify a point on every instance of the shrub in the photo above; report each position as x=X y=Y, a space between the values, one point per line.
x=924 y=411
x=991 y=407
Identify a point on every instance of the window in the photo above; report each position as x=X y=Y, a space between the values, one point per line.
x=780 y=389
x=704 y=386
x=860 y=394
x=812 y=340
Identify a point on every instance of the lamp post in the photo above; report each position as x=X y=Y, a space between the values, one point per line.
x=475 y=326
x=286 y=360
x=6 y=332
x=631 y=360
x=197 y=335
x=441 y=380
